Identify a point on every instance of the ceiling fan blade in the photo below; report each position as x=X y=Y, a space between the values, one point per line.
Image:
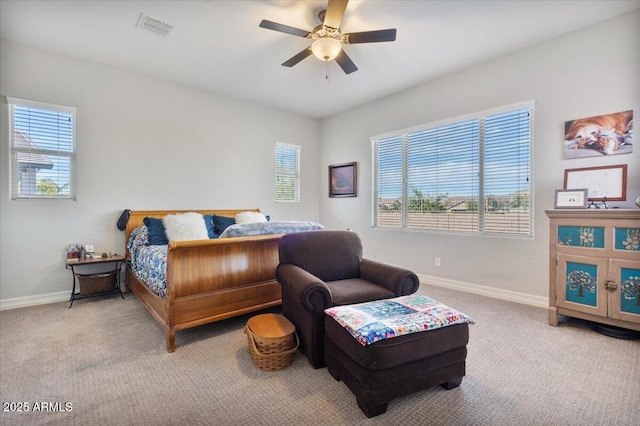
x=270 y=25
x=371 y=36
x=297 y=58
x=345 y=62
x=334 y=14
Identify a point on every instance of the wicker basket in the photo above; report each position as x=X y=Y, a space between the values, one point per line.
x=272 y=341
x=97 y=283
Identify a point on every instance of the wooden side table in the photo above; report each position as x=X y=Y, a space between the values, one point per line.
x=98 y=283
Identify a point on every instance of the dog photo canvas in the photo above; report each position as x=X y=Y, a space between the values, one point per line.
x=601 y=135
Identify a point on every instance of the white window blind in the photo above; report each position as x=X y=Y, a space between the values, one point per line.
x=389 y=176
x=43 y=150
x=470 y=175
x=287 y=160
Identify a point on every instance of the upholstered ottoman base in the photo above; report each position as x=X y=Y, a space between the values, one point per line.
x=390 y=368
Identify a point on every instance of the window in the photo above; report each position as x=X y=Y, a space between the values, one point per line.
x=43 y=150
x=468 y=175
x=287 y=172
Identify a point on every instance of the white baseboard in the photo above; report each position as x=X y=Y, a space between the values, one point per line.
x=496 y=293
x=41 y=299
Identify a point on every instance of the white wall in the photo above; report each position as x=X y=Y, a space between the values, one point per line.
x=143 y=143
x=590 y=72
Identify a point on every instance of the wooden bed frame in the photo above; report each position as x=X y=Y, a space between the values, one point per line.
x=209 y=280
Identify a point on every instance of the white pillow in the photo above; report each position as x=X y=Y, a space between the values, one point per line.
x=185 y=227
x=250 y=217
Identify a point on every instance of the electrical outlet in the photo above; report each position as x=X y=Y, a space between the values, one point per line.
x=437 y=261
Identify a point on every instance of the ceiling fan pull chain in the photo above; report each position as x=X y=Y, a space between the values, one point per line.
x=326 y=71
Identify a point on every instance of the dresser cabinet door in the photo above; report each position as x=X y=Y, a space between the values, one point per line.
x=625 y=298
x=580 y=284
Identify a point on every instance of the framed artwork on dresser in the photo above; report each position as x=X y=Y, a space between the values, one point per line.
x=606 y=183
x=571 y=199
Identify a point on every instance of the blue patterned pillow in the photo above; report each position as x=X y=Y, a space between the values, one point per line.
x=155 y=228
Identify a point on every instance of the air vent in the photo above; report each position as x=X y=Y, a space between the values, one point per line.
x=153 y=25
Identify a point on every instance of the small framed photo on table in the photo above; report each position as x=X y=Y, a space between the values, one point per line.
x=571 y=199
x=343 y=180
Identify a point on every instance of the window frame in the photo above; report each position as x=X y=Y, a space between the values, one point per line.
x=14 y=150
x=284 y=173
x=402 y=136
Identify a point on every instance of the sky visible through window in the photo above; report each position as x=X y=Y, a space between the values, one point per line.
x=445 y=160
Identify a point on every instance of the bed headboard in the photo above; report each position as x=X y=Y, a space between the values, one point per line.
x=137 y=217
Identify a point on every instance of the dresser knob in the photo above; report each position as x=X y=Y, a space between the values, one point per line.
x=610 y=285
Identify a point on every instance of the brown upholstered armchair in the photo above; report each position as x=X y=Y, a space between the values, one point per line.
x=321 y=269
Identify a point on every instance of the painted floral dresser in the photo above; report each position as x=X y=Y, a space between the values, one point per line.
x=594 y=266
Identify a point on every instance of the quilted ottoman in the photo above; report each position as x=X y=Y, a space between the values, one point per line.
x=415 y=349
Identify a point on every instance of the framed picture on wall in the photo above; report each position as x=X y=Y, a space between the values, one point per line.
x=343 y=180
x=606 y=134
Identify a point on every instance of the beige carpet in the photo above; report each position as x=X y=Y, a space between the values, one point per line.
x=105 y=360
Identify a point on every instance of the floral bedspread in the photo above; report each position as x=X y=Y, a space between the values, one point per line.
x=383 y=319
x=268 y=228
x=148 y=263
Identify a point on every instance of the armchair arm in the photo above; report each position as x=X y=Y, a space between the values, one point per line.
x=303 y=287
x=398 y=280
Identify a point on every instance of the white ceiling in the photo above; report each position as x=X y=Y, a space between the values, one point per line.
x=218 y=46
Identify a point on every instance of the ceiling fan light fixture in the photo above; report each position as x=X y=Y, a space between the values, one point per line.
x=326 y=48
x=327 y=37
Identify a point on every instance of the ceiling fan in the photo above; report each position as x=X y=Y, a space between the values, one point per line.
x=327 y=38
